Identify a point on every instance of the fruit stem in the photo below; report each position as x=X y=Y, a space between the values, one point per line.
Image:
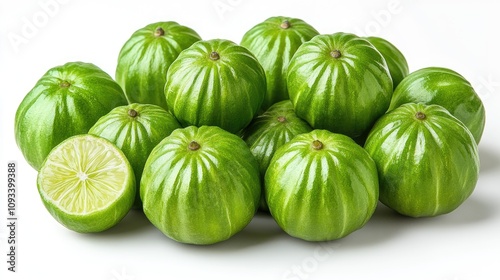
x=64 y=84
x=193 y=146
x=133 y=113
x=159 y=32
x=420 y=116
x=285 y=24
x=335 y=53
x=317 y=145
x=214 y=55
x=282 y=119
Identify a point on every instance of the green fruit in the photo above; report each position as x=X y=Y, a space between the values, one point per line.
x=271 y=130
x=200 y=185
x=427 y=160
x=216 y=83
x=87 y=184
x=447 y=88
x=274 y=42
x=144 y=59
x=396 y=62
x=66 y=101
x=136 y=129
x=321 y=186
x=339 y=82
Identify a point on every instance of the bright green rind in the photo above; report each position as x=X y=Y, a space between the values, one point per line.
x=200 y=196
x=144 y=59
x=227 y=92
x=271 y=130
x=344 y=95
x=396 y=62
x=320 y=195
x=136 y=136
x=50 y=113
x=274 y=46
x=447 y=88
x=111 y=209
x=426 y=167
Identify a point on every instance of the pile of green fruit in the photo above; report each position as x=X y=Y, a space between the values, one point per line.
x=314 y=129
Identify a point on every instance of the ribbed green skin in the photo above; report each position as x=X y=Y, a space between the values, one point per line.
x=52 y=112
x=427 y=167
x=398 y=66
x=271 y=130
x=145 y=57
x=226 y=92
x=273 y=42
x=324 y=194
x=136 y=129
x=447 y=88
x=201 y=196
x=344 y=95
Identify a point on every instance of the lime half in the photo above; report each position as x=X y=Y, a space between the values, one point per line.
x=87 y=184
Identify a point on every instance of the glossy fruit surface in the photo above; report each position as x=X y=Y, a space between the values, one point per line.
x=396 y=62
x=271 y=130
x=447 y=88
x=87 y=184
x=273 y=42
x=321 y=186
x=339 y=82
x=427 y=160
x=136 y=129
x=66 y=101
x=145 y=57
x=215 y=83
x=200 y=185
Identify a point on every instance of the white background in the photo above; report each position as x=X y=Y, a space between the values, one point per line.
x=461 y=35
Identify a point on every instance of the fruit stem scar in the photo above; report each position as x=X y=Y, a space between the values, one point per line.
x=285 y=24
x=214 y=55
x=64 y=84
x=133 y=113
x=282 y=119
x=193 y=146
x=317 y=145
x=159 y=32
x=335 y=53
x=421 y=116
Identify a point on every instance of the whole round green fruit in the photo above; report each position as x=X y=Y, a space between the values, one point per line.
x=145 y=58
x=339 y=82
x=427 y=160
x=215 y=83
x=200 y=185
x=66 y=101
x=447 y=88
x=273 y=42
x=321 y=186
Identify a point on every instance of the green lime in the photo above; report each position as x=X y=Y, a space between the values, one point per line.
x=87 y=184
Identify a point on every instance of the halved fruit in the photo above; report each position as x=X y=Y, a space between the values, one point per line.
x=87 y=184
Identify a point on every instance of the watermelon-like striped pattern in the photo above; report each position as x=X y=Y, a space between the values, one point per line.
x=215 y=83
x=200 y=185
x=136 y=129
x=273 y=42
x=66 y=101
x=339 y=82
x=145 y=58
x=427 y=160
x=321 y=186
x=447 y=88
